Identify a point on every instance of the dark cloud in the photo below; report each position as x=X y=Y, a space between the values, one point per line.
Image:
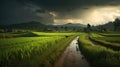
x=63 y=4
x=16 y=11
x=41 y=11
x=71 y=7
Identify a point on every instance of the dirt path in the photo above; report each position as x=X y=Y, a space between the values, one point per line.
x=72 y=57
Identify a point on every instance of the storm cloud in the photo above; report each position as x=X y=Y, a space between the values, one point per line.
x=15 y=11
x=59 y=11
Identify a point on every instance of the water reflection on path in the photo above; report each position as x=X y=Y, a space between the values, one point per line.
x=72 y=57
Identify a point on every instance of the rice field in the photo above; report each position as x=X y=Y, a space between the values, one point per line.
x=98 y=55
x=42 y=49
x=108 y=41
x=31 y=51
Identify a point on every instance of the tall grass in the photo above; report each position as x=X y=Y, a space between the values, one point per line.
x=110 y=34
x=15 y=35
x=113 y=38
x=110 y=39
x=32 y=51
x=110 y=42
x=98 y=56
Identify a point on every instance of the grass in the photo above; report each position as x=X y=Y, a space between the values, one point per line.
x=110 y=37
x=110 y=34
x=95 y=35
x=42 y=49
x=111 y=42
x=54 y=34
x=97 y=55
x=33 y=51
x=15 y=35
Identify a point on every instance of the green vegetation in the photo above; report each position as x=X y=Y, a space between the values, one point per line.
x=110 y=39
x=54 y=34
x=42 y=49
x=116 y=34
x=110 y=42
x=17 y=34
x=33 y=51
x=98 y=56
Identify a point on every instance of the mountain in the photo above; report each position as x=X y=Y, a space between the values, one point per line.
x=71 y=27
x=75 y=24
x=33 y=25
x=105 y=27
x=109 y=26
x=37 y=26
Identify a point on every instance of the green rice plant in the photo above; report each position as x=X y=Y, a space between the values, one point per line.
x=14 y=35
x=97 y=55
x=95 y=35
x=110 y=42
x=19 y=50
x=110 y=34
x=32 y=51
x=110 y=39
x=54 y=34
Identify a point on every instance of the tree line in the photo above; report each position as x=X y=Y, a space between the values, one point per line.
x=110 y=26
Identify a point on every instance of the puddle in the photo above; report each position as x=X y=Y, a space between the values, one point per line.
x=72 y=57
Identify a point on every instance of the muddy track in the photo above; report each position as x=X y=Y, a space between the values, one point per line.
x=95 y=42
x=72 y=57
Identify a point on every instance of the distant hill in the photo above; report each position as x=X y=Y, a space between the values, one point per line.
x=33 y=25
x=71 y=27
x=75 y=24
x=37 y=26
x=108 y=27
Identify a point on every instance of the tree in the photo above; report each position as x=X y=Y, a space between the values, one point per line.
x=88 y=27
x=117 y=24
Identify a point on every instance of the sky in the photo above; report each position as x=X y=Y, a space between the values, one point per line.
x=94 y=12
